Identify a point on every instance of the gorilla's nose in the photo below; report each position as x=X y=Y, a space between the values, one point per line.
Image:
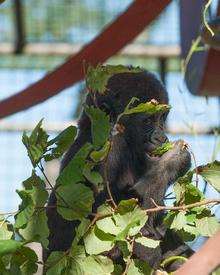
x=158 y=136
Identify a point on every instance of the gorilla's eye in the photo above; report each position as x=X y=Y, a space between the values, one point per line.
x=105 y=107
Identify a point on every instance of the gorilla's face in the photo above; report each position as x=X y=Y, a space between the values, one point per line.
x=146 y=131
x=142 y=132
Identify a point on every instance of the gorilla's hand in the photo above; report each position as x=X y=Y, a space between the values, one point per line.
x=162 y=171
x=176 y=161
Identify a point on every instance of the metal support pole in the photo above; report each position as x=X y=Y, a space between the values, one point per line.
x=162 y=69
x=19 y=26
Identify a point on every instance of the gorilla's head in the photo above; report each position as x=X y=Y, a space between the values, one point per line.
x=144 y=131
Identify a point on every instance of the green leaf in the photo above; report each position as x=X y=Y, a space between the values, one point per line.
x=147 y=242
x=179 y=221
x=56 y=263
x=159 y=151
x=91 y=175
x=73 y=172
x=36 y=143
x=125 y=248
x=81 y=230
x=207 y=226
x=148 y=108
x=138 y=267
x=126 y=206
x=187 y=193
x=130 y=223
x=107 y=225
x=26 y=209
x=37 y=228
x=97 y=77
x=98 y=265
x=63 y=263
x=9 y=246
x=63 y=141
x=211 y=174
x=98 y=241
x=33 y=197
x=101 y=154
x=25 y=261
x=100 y=126
x=79 y=200
x=5 y=229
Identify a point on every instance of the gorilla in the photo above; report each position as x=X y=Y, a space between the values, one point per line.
x=132 y=170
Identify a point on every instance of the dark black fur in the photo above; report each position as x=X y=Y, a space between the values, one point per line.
x=131 y=171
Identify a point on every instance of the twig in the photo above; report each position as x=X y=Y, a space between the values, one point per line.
x=183 y=207
x=196 y=167
x=154 y=203
x=129 y=258
x=51 y=186
x=108 y=188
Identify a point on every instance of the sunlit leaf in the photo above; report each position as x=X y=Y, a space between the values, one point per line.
x=97 y=77
x=207 y=226
x=138 y=267
x=211 y=173
x=147 y=242
x=98 y=241
x=99 y=265
x=9 y=246
x=101 y=154
x=159 y=151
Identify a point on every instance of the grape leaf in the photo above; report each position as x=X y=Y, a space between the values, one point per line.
x=179 y=221
x=5 y=229
x=101 y=154
x=100 y=126
x=207 y=226
x=79 y=200
x=73 y=172
x=159 y=151
x=148 y=108
x=62 y=142
x=138 y=267
x=97 y=77
x=211 y=173
x=37 y=229
x=98 y=241
x=36 y=143
x=147 y=242
x=9 y=246
x=98 y=265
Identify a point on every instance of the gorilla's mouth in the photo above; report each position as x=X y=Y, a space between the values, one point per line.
x=149 y=147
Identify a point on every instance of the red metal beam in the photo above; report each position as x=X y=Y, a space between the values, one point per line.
x=113 y=38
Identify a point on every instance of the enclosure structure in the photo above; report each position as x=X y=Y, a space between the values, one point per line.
x=36 y=37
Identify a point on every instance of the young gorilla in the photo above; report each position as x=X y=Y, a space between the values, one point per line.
x=131 y=171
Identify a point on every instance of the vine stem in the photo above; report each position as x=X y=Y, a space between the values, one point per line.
x=108 y=188
x=51 y=186
x=183 y=207
x=129 y=258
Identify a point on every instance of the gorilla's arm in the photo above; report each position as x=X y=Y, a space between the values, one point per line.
x=160 y=173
